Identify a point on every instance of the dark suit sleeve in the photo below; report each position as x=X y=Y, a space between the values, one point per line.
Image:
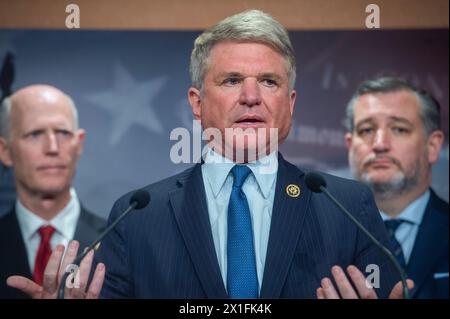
x=369 y=256
x=113 y=252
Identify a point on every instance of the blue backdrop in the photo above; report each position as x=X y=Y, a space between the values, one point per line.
x=131 y=91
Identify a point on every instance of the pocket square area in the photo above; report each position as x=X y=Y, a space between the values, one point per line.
x=440 y=275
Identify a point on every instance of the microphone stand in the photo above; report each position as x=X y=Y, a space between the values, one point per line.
x=80 y=257
x=386 y=251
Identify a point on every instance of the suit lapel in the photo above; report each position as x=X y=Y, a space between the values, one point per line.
x=431 y=233
x=15 y=255
x=191 y=213
x=83 y=231
x=288 y=217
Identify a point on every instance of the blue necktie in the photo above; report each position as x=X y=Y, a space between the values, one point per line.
x=394 y=245
x=242 y=280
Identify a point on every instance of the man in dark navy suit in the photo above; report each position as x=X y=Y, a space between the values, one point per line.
x=241 y=224
x=394 y=139
x=40 y=140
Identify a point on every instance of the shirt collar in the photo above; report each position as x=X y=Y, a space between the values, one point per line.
x=62 y=222
x=413 y=213
x=216 y=167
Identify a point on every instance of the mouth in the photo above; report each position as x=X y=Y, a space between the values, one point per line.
x=51 y=168
x=250 y=121
x=384 y=163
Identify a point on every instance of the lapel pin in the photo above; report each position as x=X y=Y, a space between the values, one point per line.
x=293 y=190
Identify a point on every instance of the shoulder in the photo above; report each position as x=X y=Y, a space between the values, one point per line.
x=159 y=191
x=342 y=188
x=332 y=181
x=340 y=183
x=9 y=219
x=353 y=195
x=438 y=203
x=437 y=211
x=91 y=219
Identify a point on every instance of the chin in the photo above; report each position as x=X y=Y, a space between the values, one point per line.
x=379 y=178
x=53 y=189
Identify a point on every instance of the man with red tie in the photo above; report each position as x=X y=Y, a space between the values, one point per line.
x=41 y=141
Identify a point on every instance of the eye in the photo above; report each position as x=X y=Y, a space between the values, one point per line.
x=400 y=130
x=232 y=81
x=34 y=134
x=269 y=82
x=64 y=132
x=364 y=131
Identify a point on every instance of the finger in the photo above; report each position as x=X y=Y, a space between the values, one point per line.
x=345 y=288
x=26 y=285
x=397 y=291
x=364 y=289
x=50 y=279
x=320 y=294
x=97 y=282
x=85 y=269
x=69 y=257
x=328 y=289
x=80 y=278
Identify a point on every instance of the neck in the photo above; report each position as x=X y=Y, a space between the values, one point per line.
x=395 y=204
x=44 y=205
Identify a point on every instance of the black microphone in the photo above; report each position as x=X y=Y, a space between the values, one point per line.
x=138 y=200
x=317 y=184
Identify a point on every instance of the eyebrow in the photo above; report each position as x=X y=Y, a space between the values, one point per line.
x=391 y=118
x=43 y=129
x=228 y=74
x=259 y=76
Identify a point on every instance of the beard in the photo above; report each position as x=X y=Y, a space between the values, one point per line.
x=400 y=183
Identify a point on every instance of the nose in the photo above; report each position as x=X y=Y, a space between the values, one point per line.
x=381 y=142
x=250 y=93
x=52 y=144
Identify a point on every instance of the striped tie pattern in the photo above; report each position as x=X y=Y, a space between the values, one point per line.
x=394 y=245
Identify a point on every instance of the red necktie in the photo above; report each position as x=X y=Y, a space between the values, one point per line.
x=43 y=253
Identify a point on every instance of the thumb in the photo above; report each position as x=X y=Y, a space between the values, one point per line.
x=26 y=285
x=397 y=291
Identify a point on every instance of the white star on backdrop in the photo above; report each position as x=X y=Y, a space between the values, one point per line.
x=129 y=102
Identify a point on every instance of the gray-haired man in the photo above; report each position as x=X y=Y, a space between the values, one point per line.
x=227 y=227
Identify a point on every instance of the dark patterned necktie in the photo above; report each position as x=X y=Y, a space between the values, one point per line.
x=394 y=245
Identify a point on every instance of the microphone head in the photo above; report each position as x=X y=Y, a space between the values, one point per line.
x=314 y=181
x=141 y=197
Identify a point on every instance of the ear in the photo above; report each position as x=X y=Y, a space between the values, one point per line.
x=434 y=145
x=5 y=154
x=348 y=140
x=292 y=97
x=195 y=102
x=80 y=142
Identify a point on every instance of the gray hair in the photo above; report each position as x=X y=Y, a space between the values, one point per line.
x=251 y=25
x=5 y=114
x=429 y=106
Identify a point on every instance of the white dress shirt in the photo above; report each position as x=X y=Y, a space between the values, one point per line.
x=64 y=222
x=259 y=188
